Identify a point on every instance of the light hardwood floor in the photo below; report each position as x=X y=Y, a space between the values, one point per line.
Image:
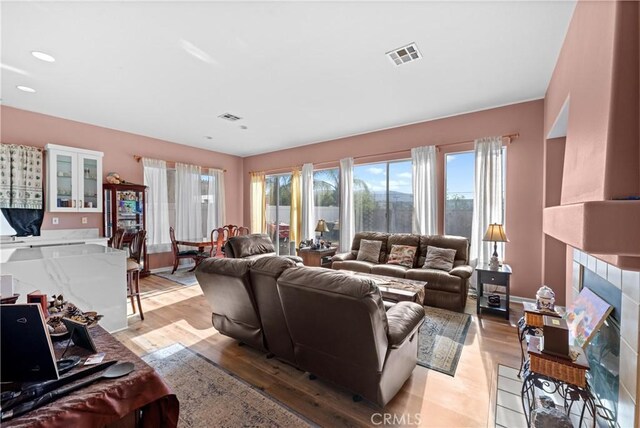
x=175 y=313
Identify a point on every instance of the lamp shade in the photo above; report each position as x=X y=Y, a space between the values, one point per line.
x=495 y=232
x=322 y=226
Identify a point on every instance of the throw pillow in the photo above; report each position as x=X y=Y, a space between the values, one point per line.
x=369 y=251
x=439 y=258
x=402 y=255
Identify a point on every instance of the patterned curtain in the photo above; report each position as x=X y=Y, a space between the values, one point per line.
x=20 y=177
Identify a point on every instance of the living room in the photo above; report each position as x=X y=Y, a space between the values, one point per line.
x=525 y=116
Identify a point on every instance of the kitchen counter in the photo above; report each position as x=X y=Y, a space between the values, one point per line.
x=91 y=276
x=55 y=237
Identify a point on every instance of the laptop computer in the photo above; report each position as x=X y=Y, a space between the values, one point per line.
x=26 y=351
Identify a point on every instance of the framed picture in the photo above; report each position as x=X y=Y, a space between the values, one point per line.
x=585 y=316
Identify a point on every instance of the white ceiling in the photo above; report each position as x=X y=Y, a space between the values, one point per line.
x=296 y=72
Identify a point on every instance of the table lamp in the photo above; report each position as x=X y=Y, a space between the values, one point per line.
x=495 y=232
x=322 y=227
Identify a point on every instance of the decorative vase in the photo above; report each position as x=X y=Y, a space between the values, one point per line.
x=494 y=263
x=545 y=298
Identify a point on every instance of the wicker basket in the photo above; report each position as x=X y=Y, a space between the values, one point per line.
x=556 y=369
x=534 y=320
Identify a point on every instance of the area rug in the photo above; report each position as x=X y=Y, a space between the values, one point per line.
x=211 y=396
x=441 y=339
x=508 y=410
x=181 y=276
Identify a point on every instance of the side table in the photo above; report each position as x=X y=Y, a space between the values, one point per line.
x=554 y=374
x=501 y=277
x=317 y=258
x=531 y=324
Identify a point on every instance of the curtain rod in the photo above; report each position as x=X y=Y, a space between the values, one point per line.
x=509 y=137
x=138 y=158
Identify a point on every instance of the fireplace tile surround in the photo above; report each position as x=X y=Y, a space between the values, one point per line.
x=629 y=283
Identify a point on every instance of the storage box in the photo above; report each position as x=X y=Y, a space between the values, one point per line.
x=556 y=337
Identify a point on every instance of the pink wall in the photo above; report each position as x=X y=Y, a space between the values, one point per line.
x=34 y=129
x=524 y=170
x=598 y=71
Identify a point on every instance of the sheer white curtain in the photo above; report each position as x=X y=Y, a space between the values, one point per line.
x=155 y=178
x=308 y=213
x=215 y=200
x=347 y=218
x=425 y=205
x=488 y=203
x=188 y=202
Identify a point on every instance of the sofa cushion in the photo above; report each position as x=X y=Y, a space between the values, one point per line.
x=436 y=279
x=396 y=271
x=403 y=239
x=354 y=265
x=402 y=255
x=458 y=243
x=369 y=251
x=439 y=258
x=371 y=236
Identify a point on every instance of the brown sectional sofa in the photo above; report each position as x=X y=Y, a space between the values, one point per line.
x=446 y=290
x=328 y=323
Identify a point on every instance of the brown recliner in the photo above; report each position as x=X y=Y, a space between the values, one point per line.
x=444 y=289
x=226 y=285
x=254 y=246
x=264 y=273
x=341 y=332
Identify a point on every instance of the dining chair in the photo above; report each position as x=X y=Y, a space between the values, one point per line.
x=117 y=240
x=231 y=228
x=134 y=266
x=195 y=255
x=242 y=230
x=219 y=237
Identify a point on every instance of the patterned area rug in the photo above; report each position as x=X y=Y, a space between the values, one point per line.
x=181 y=276
x=441 y=339
x=211 y=396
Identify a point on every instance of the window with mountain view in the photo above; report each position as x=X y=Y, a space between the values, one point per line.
x=383 y=198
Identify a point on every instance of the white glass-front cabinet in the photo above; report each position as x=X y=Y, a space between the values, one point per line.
x=74 y=179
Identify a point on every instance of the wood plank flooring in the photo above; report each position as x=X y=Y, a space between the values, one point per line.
x=175 y=313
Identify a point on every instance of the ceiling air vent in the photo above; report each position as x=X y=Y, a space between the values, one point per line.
x=230 y=117
x=404 y=54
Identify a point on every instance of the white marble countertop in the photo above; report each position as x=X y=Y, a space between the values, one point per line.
x=54 y=237
x=11 y=255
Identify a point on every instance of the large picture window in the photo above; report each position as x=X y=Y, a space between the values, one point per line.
x=204 y=206
x=326 y=199
x=278 y=211
x=383 y=198
x=459 y=191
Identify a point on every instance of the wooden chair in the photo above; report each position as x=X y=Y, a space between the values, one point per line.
x=178 y=255
x=136 y=249
x=117 y=239
x=231 y=228
x=219 y=237
x=242 y=230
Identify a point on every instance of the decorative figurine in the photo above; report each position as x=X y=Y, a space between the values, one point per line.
x=545 y=299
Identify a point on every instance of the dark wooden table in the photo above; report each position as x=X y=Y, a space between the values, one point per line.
x=500 y=277
x=314 y=257
x=138 y=399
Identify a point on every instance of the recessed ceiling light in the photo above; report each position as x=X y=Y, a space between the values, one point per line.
x=404 y=54
x=26 y=88
x=43 y=56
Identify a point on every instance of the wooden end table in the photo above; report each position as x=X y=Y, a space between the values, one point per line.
x=317 y=258
x=501 y=277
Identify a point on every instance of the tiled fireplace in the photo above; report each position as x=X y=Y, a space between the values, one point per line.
x=627 y=286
